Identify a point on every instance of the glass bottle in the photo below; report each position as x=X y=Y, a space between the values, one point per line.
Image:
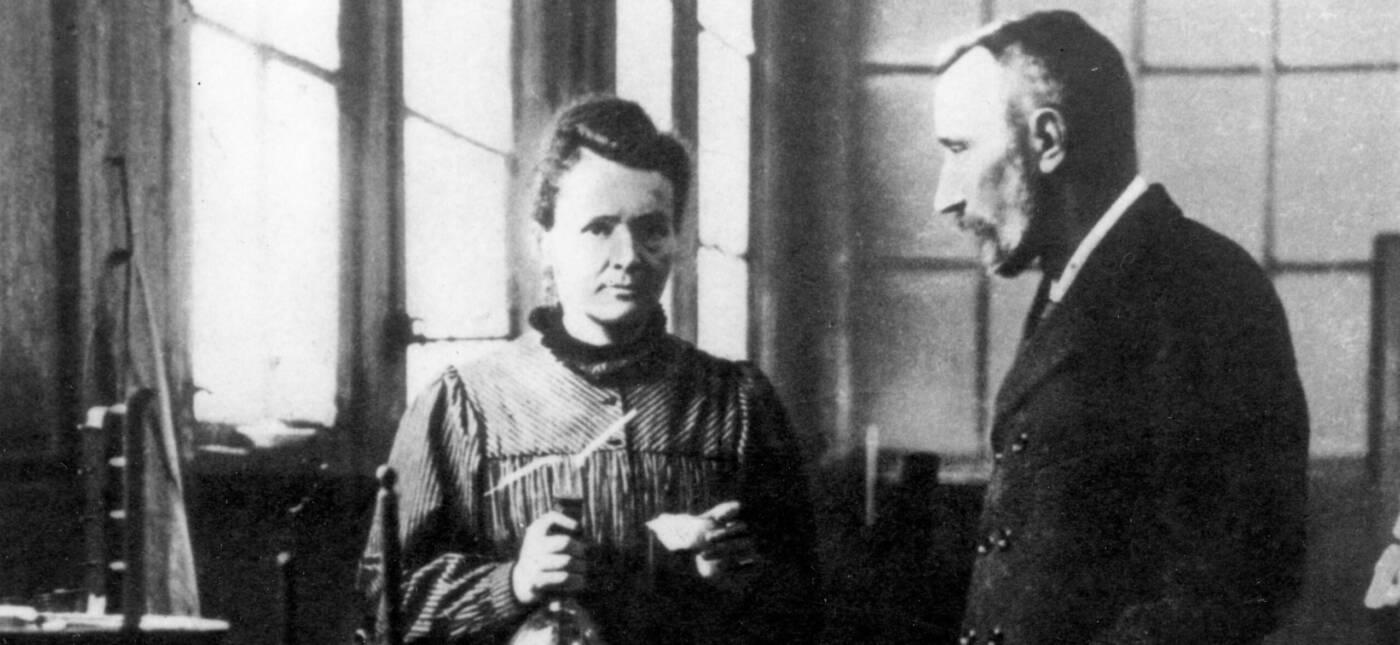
x=561 y=620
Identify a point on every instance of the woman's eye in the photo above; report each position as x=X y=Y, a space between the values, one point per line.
x=597 y=228
x=651 y=229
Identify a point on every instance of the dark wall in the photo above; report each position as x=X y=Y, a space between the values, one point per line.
x=85 y=134
x=1231 y=107
x=34 y=502
x=30 y=346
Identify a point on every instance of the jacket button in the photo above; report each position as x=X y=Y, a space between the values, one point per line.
x=997 y=457
x=995 y=540
x=1001 y=539
x=1020 y=443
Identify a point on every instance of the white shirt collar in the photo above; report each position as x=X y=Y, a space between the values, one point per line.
x=1135 y=189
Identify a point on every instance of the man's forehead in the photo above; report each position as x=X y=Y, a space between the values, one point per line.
x=975 y=84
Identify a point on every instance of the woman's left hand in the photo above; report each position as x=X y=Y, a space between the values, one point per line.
x=730 y=556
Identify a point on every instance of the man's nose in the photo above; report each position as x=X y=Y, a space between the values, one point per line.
x=946 y=199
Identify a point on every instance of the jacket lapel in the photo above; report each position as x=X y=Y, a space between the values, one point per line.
x=1048 y=344
x=1095 y=292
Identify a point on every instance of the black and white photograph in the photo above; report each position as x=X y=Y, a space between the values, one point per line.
x=710 y=322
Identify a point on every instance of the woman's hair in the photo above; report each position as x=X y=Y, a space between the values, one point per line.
x=615 y=129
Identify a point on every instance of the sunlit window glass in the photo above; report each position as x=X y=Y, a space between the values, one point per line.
x=644 y=56
x=458 y=137
x=724 y=47
x=265 y=225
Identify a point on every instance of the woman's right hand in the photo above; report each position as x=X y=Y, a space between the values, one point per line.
x=551 y=559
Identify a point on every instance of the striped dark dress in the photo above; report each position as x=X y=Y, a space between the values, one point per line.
x=706 y=431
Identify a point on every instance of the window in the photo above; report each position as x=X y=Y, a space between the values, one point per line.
x=689 y=64
x=458 y=134
x=725 y=44
x=268 y=179
x=645 y=58
x=1237 y=117
x=317 y=231
x=265 y=223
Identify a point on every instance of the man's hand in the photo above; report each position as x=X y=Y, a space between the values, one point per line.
x=551 y=559
x=730 y=556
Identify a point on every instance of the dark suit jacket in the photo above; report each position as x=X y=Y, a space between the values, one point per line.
x=1151 y=452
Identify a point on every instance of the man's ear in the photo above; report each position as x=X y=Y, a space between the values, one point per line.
x=1048 y=138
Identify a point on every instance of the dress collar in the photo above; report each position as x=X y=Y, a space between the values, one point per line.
x=603 y=362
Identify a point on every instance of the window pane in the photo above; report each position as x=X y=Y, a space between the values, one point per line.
x=241 y=16
x=898 y=173
x=1204 y=139
x=1113 y=18
x=427 y=361
x=264 y=314
x=304 y=28
x=916 y=361
x=1338 y=159
x=457 y=66
x=644 y=56
x=723 y=304
x=724 y=203
x=225 y=352
x=302 y=241
x=1338 y=31
x=1328 y=315
x=225 y=134
x=724 y=98
x=729 y=20
x=455 y=198
x=910 y=31
x=724 y=147
x=1199 y=32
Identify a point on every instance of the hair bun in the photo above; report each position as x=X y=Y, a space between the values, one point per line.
x=608 y=124
x=617 y=130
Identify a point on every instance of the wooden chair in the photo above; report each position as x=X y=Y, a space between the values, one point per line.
x=390 y=561
x=1383 y=423
x=114 y=449
x=138 y=557
x=1384 y=413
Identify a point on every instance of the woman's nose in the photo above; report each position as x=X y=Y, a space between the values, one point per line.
x=623 y=250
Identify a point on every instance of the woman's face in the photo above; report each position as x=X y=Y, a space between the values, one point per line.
x=611 y=245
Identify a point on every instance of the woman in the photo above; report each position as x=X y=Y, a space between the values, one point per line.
x=693 y=435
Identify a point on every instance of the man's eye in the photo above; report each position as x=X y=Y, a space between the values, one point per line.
x=597 y=228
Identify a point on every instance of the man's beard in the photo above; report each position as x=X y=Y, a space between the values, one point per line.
x=1027 y=191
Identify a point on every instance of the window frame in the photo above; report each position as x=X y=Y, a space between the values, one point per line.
x=555 y=55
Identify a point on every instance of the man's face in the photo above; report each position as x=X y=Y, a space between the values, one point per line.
x=983 y=183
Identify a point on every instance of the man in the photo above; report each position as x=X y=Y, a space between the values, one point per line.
x=1150 y=439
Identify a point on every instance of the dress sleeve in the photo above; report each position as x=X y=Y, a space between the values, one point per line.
x=783 y=605
x=451 y=591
